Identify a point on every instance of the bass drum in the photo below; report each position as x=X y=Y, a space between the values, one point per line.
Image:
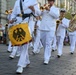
x=19 y=34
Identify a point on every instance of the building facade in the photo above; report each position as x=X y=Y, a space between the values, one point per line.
x=73 y=5
x=63 y=4
x=42 y=2
x=8 y=4
x=59 y=3
x=5 y=5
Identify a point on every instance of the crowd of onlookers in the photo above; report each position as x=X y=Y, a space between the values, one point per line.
x=3 y=34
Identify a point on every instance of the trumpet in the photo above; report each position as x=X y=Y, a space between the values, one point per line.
x=45 y=6
x=8 y=11
x=59 y=22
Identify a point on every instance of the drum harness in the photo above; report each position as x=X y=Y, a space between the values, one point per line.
x=22 y=13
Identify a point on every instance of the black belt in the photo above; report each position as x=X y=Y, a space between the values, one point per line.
x=25 y=15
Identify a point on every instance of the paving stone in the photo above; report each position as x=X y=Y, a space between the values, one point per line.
x=66 y=65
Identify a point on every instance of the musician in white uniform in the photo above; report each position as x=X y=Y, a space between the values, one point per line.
x=37 y=43
x=10 y=48
x=64 y=23
x=9 y=17
x=54 y=46
x=47 y=28
x=29 y=6
x=72 y=36
x=31 y=25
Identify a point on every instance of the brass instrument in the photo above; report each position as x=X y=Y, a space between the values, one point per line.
x=58 y=22
x=72 y=25
x=44 y=7
x=8 y=11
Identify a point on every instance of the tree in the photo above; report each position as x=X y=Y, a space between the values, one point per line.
x=68 y=14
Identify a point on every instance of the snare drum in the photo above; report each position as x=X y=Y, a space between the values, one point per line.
x=19 y=34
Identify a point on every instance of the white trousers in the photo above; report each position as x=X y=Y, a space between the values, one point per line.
x=37 y=42
x=31 y=44
x=18 y=53
x=46 y=39
x=14 y=50
x=54 y=46
x=10 y=46
x=60 y=41
x=72 y=42
x=24 y=57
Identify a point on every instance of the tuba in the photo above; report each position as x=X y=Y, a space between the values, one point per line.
x=72 y=25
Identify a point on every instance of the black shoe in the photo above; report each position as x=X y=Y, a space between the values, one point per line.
x=27 y=65
x=53 y=50
x=8 y=51
x=58 y=56
x=7 y=44
x=11 y=57
x=45 y=64
x=71 y=53
x=33 y=53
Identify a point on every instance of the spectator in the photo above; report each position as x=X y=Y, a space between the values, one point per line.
x=1 y=33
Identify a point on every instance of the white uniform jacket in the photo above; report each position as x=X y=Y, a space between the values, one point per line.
x=49 y=19
x=62 y=27
x=72 y=33
x=26 y=10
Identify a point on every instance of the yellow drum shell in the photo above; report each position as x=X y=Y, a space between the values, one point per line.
x=19 y=34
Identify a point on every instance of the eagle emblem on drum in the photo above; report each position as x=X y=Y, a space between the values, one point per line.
x=19 y=34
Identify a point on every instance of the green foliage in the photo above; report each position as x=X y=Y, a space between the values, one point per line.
x=68 y=15
x=62 y=5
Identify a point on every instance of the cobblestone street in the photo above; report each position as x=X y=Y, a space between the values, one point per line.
x=66 y=65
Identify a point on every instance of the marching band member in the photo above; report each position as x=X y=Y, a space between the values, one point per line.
x=8 y=13
x=13 y=53
x=47 y=28
x=64 y=23
x=54 y=46
x=12 y=49
x=9 y=47
x=29 y=6
x=31 y=25
x=72 y=36
x=37 y=42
